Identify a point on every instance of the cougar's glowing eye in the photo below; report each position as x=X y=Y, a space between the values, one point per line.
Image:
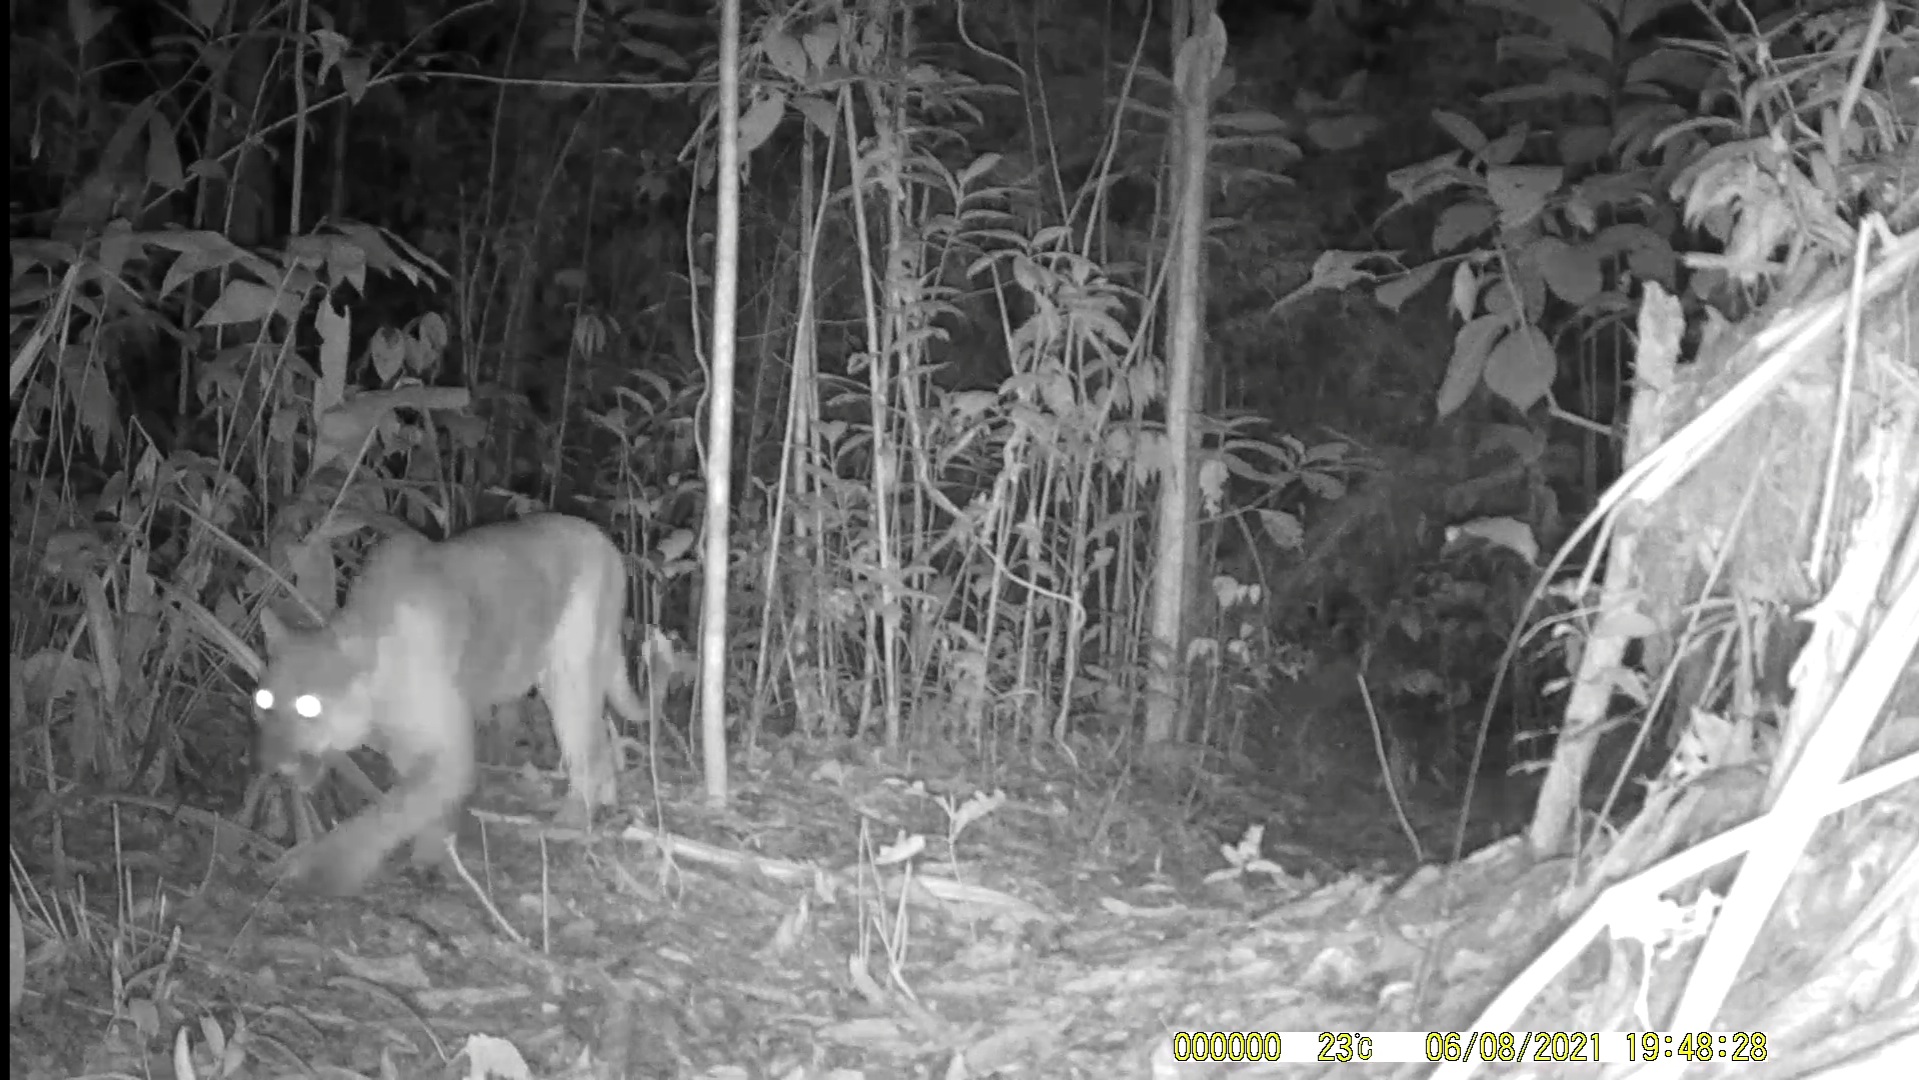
x=263 y=699
x=307 y=705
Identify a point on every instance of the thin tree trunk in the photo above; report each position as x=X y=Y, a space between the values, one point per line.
x=1557 y=811
x=1194 y=68
x=719 y=420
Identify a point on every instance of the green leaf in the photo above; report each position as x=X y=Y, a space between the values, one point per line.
x=1341 y=132
x=1283 y=529
x=1521 y=367
x=1395 y=293
x=1669 y=67
x=241 y=302
x=1471 y=345
x=1529 y=49
x=1465 y=292
x=820 y=44
x=761 y=119
x=1583 y=144
x=1464 y=131
x=336 y=333
x=1461 y=222
x=163 y=155
x=1571 y=270
x=1576 y=23
x=1647 y=253
x=786 y=55
x=200 y=250
x=387 y=350
x=1634 y=14
x=1520 y=191
x=206 y=14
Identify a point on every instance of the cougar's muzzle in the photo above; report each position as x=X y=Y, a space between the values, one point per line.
x=277 y=747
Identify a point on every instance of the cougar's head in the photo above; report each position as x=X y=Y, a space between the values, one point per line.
x=311 y=701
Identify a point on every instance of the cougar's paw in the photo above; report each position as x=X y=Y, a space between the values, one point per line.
x=602 y=786
x=432 y=850
x=333 y=865
x=574 y=812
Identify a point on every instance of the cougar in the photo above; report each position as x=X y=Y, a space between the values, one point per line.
x=430 y=637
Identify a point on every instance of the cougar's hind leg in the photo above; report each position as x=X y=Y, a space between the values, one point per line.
x=574 y=692
x=574 y=682
x=615 y=676
x=573 y=695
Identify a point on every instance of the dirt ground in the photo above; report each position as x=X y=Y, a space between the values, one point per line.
x=851 y=913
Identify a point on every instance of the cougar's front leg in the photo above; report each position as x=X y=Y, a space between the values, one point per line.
x=438 y=780
x=430 y=839
x=436 y=775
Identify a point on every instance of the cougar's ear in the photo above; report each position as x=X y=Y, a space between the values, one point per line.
x=279 y=630
x=276 y=631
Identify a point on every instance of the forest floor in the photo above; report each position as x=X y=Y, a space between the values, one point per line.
x=851 y=913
